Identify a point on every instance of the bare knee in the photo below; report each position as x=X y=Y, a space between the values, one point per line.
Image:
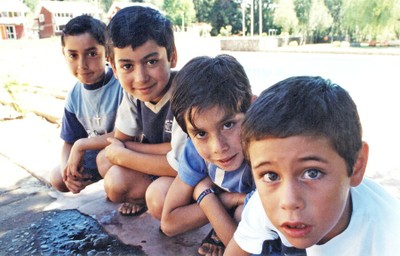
x=155 y=195
x=103 y=165
x=124 y=185
x=114 y=185
x=56 y=180
x=154 y=202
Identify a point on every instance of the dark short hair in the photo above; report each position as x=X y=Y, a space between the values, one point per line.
x=205 y=82
x=309 y=106
x=135 y=25
x=85 y=24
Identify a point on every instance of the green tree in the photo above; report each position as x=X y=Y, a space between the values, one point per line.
x=366 y=19
x=179 y=11
x=320 y=19
x=226 y=12
x=303 y=8
x=31 y=4
x=203 y=9
x=335 y=10
x=395 y=21
x=285 y=16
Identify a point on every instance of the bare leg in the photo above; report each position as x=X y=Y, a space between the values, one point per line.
x=57 y=180
x=126 y=186
x=103 y=165
x=155 y=195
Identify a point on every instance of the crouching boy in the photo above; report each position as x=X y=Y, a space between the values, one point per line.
x=303 y=139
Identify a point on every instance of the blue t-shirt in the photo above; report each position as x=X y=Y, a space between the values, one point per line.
x=91 y=111
x=193 y=168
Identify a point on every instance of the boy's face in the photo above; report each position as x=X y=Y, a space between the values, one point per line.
x=85 y=58
x=145 y=71
x=216 y=137
x=304 y=187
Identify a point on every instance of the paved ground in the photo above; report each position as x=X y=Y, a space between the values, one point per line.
x=29 y=149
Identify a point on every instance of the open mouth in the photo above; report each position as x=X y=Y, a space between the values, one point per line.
x=296 y=230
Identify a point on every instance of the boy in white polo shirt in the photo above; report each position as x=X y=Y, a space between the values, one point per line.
x=303 y=139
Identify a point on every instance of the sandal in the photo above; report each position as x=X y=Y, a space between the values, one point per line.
x=211 y=245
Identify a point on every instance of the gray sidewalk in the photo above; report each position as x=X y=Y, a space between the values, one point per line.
x=30 y=147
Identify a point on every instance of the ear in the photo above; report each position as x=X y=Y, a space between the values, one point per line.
x=360 y=166
x=174 y=58
x=253 y=98
x=112 y=64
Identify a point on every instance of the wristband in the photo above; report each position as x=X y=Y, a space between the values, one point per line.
x=203 y=194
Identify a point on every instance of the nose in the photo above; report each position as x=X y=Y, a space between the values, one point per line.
x=291 y=196
x=219 y=144
x=140 y=74
x=82 y=63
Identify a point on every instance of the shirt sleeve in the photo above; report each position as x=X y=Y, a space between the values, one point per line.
x=192 y=167
x=178 y=140
x=128 y=121
x=255 y=227
x=71 y=129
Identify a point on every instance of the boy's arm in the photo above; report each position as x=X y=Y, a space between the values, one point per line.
x=180 y=214
x=65 y=151
x=223 y=224
x=74 y=184
x=234 y=249
x=93 y=143
x=78 y=148
x=145 y=158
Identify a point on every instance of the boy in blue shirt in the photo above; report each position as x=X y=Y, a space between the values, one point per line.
x=304 y=141
x=209 y=102
x=91 y=105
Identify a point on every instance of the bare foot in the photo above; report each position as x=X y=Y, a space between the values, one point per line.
x=132 y=209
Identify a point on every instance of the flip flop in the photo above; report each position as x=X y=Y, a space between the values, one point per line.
x=212 y=239
x=137 y=213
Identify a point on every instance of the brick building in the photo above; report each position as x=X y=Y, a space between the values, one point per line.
x=51 y=16
x=12 y=19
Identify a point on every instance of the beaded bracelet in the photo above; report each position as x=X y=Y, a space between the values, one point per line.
x=203 y=194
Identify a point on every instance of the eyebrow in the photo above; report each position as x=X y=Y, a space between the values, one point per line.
x=302 y=159
x=227 y=117
x=150 y=55
x=86 y=50
x=313 y=158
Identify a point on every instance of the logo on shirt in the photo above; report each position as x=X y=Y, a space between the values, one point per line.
x=168 y=126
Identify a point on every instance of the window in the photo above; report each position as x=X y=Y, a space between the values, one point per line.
x=11 y=32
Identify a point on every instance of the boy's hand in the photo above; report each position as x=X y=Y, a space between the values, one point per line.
x=74 y=162
x=113 y=150
x=231 y=200
x=75 y=185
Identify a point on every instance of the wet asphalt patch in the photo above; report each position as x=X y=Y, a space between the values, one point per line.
x=66 y=232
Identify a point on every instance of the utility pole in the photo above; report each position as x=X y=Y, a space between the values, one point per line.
x=260 y=17
x=252 y=17
x=183 y=22
x=243 y=4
